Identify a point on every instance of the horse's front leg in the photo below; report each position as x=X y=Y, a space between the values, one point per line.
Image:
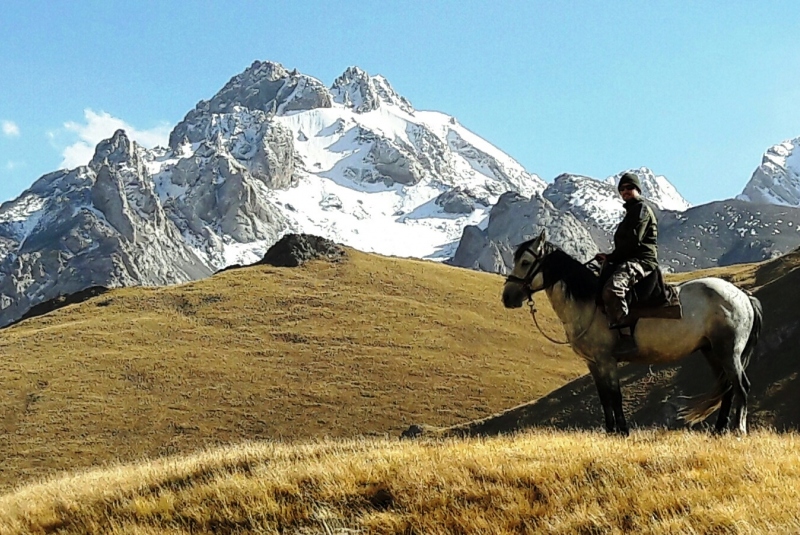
x=606 y=379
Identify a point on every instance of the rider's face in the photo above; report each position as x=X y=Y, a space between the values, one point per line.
x=628 y=192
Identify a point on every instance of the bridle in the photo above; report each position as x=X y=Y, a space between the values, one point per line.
x=526 y=281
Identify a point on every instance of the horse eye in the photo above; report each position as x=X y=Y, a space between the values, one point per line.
x=526 y=263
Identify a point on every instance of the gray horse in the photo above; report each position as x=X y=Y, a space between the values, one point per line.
x=718 y=319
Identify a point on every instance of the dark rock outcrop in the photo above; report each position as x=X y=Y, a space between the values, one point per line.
x=294 y=250
x=456 y=201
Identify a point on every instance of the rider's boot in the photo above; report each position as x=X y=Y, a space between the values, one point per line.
x=625 y=344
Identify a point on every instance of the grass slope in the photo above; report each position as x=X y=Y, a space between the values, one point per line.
x=363 y=347
x=543 y=482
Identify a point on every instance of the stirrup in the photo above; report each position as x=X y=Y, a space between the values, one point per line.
x=623 y=328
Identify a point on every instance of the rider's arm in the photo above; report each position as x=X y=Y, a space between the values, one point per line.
x=644 y=222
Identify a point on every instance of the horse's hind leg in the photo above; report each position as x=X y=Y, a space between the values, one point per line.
x=724 y=356
x=724 y=416
x=742 y=389
x=734 y=372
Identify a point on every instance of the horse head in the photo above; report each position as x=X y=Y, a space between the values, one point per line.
x=526 y=277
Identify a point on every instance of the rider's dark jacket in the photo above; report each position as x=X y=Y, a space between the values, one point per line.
x=637 y=236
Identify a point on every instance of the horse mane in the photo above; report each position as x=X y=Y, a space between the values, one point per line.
x=580 y=282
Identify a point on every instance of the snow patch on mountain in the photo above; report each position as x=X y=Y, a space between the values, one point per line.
x=21 y=215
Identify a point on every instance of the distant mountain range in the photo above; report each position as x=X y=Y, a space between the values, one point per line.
x=277 y=151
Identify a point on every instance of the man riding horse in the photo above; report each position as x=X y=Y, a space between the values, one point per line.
x=635 y=256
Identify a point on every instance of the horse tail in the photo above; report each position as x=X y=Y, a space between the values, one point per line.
x=755 y=331
x=707 y=404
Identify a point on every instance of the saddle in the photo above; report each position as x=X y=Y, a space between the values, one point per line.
x=651 y=297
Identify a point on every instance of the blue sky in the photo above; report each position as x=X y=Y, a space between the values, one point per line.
x=696 y=91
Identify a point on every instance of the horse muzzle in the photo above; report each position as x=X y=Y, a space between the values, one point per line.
x=515 y=293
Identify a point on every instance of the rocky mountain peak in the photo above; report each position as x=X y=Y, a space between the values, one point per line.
x=268 y=70
x=358 y=90
x=269 y=87
x=513 y=220
x=262 y=91
x=113 y=151
x=259 y=72
x=777 y=179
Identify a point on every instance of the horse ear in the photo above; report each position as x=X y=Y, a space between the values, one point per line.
x=542 y=236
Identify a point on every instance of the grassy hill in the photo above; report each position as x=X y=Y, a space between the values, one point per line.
x=366 y=346
x=271 y=360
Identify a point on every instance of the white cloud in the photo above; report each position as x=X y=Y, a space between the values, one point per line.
x=10 y=129
x=99 y=126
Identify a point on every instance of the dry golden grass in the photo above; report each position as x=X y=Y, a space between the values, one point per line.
x=364 y=347
x=743 y=275
x=749 y=276
x=653 y=482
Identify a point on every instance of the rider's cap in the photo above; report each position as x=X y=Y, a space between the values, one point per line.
x=630 y=178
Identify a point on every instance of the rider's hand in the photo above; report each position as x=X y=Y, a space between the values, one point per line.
x=601 y=257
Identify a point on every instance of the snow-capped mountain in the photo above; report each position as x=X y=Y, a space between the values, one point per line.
x=777 y=179
x=274 y=151
x=278 y=151
x=657 y=190
x=97 y=225
x=359 y=164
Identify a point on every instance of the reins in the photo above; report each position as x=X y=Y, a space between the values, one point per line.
x=532 y=306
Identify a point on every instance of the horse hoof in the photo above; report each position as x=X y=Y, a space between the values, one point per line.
x=412 y=432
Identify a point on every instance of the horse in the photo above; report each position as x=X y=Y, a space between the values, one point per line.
x=719 y=319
